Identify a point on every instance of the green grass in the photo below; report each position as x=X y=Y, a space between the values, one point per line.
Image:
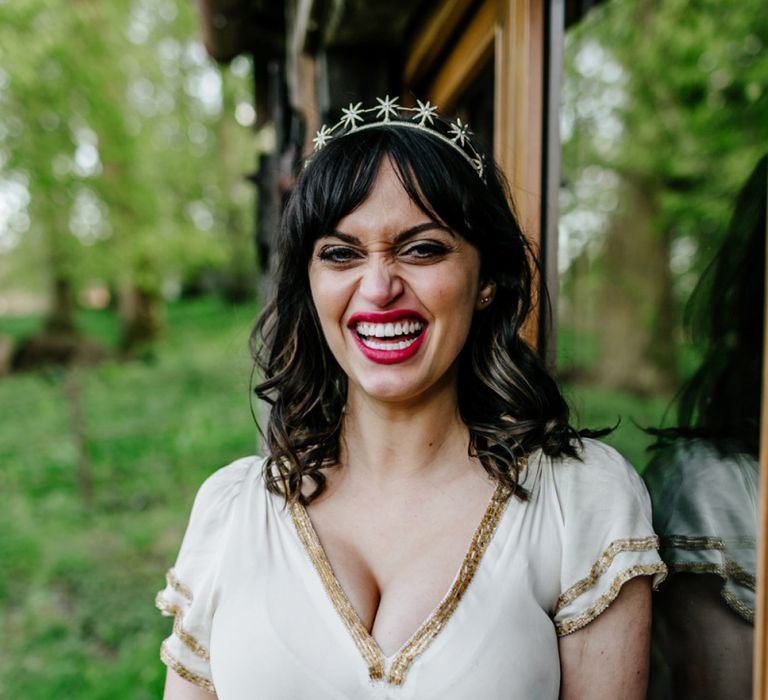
x=77 y=588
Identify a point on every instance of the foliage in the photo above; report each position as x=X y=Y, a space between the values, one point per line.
x=77 y=591
x=110 y=115
x=665 y=112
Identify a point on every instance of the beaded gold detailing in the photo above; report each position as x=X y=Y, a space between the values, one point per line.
x=364 y=641
x=431 y=627
x=601 y=566
x=424 y=636
x=177 y=585
x=738 y=606
x=697 y=543
x=168 y=608
x=174 y=664
x=576 y=623
x=178 y=615
x=730 y=570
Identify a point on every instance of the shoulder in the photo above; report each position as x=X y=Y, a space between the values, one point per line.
x=228 y=482
x=606 y=536
x=219 y=496
x=597 y=474
x=597 y=460
x=691 y=469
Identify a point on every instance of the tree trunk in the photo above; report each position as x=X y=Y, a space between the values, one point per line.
x=636 y=317
x=61 y=316
x=141 y=318
x=73 y=391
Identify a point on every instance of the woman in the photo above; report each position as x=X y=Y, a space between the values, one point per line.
x=420 y=447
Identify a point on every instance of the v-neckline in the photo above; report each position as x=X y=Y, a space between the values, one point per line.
x=417 y=643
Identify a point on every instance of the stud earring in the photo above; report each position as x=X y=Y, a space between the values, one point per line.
x=485 y=300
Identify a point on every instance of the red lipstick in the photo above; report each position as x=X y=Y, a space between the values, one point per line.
x=388 y=346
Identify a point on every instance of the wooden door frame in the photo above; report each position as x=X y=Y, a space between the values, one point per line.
x=760 y=656
x=512 y=32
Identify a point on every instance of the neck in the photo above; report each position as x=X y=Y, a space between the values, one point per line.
x=386 y=443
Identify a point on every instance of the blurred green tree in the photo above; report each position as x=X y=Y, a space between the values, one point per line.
x=111 y=123
x=665 y=111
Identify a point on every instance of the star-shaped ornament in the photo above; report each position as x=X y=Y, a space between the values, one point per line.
x=425 y=113
x=352 y=116
x=387 y=107
x=459 y=132
x=322 y=137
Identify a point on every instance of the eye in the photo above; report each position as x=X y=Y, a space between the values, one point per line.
x=425 y=250
x=338 y=254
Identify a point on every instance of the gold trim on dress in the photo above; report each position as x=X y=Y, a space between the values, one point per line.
x=168 y=608
x=174 y=664
x=576 y=623
x=365 y=643
x=177 y=585
x=424 y=636
x=702 y=542
x=730 y=571
x=601 y=566
x=431 y=627
x=738 y=606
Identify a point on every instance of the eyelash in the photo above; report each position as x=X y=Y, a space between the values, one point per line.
x=426 y=250
x=423 y=250
x=337 y=254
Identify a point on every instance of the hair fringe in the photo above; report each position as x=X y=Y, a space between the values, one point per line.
x=507 y=399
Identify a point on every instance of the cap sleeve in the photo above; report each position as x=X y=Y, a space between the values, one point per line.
x=705 y=504
x=608 y=538
x=190 y=593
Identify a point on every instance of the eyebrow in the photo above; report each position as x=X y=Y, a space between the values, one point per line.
x=399 y=238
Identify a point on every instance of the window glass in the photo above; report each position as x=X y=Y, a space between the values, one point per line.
x=660 y=308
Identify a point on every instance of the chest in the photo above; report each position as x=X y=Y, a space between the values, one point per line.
x=396 y=560
x=283 y=619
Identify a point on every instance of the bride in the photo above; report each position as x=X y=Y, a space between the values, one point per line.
x=425 y=523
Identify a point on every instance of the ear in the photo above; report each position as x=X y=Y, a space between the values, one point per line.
x=485 y=296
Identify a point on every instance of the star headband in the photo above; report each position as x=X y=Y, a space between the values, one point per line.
x=424 y=117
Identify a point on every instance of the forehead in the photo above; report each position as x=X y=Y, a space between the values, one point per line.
x=387 y=206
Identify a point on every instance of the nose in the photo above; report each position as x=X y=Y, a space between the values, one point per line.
x=380 y=284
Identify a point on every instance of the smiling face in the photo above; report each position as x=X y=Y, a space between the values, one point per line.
x=395 y=292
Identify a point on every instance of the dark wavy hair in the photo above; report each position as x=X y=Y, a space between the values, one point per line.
x=720 y=402
x=507 y=399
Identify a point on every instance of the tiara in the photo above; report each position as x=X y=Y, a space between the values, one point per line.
x=387 y=112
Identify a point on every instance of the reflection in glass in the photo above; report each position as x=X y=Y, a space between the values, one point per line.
x=664 y=116
x=703 y=477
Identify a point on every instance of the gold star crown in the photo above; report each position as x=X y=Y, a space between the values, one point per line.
x=388 y=113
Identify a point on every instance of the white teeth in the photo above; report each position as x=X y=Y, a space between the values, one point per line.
x=388 y=330
x=396 y=345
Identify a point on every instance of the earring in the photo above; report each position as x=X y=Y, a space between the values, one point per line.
x=485 y=300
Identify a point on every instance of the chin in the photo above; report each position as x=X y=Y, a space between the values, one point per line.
x=388 y=391
x=394 y=386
